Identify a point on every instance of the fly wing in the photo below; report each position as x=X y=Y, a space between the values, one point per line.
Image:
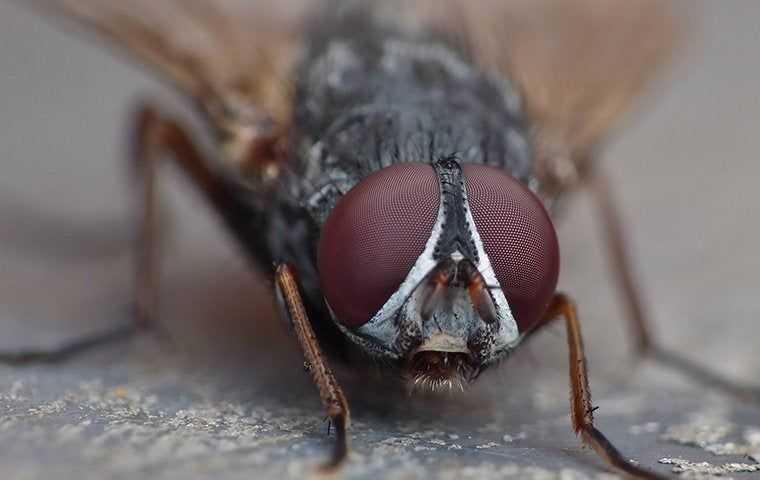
x=580 y=64
x=227 y=54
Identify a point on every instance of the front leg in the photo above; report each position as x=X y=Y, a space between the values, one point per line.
x=581 y=409
x=333 y=399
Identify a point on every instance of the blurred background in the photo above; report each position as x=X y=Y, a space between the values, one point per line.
x=685 y=172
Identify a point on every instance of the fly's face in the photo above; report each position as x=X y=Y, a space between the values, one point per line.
x=439 y=267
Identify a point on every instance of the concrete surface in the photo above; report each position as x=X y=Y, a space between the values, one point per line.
x=231 y=399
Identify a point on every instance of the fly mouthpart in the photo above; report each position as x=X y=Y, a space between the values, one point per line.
x=443 y=342
x=437 y=371
x=441 y=363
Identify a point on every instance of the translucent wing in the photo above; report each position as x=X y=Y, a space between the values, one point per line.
x=230 y=55
x=579 y=63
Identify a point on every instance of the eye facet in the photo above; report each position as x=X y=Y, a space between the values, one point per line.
x=373 y=237
x=519 y=238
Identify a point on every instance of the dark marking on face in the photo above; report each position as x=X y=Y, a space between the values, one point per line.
x=456 y=234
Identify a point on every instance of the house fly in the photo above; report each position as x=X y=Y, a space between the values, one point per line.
x=397 y=163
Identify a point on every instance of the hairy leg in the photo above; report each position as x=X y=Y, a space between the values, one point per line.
x=333 y=399
x=581 y=409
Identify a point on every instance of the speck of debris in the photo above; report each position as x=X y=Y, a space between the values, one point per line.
x=708 y=431
x=752 y=437
x=487 y=445
x=514 y=472
x=46 y=409
x=423 y=448
x=15 y=393
x=507 y=438
x=706 y=468
x=699 y=434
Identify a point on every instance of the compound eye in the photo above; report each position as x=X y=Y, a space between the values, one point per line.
x=373 y=237
x=519 y=239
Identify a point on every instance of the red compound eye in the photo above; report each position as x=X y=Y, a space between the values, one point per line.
x=373 y=237
x=519 y=239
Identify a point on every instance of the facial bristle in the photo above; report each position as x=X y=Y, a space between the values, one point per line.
x=436 y=372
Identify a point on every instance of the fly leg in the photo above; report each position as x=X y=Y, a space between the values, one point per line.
x=637 y=316
x=330 y=392
x=68 y=350
x=621 y=262
x=581 y=409
x=154 y=137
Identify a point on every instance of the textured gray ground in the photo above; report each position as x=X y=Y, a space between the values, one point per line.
x=231 y=398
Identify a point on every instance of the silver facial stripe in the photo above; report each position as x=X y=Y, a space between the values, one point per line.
x=508 y=334
x=383 y=328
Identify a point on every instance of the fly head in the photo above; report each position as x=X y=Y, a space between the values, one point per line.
x=438 y=267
